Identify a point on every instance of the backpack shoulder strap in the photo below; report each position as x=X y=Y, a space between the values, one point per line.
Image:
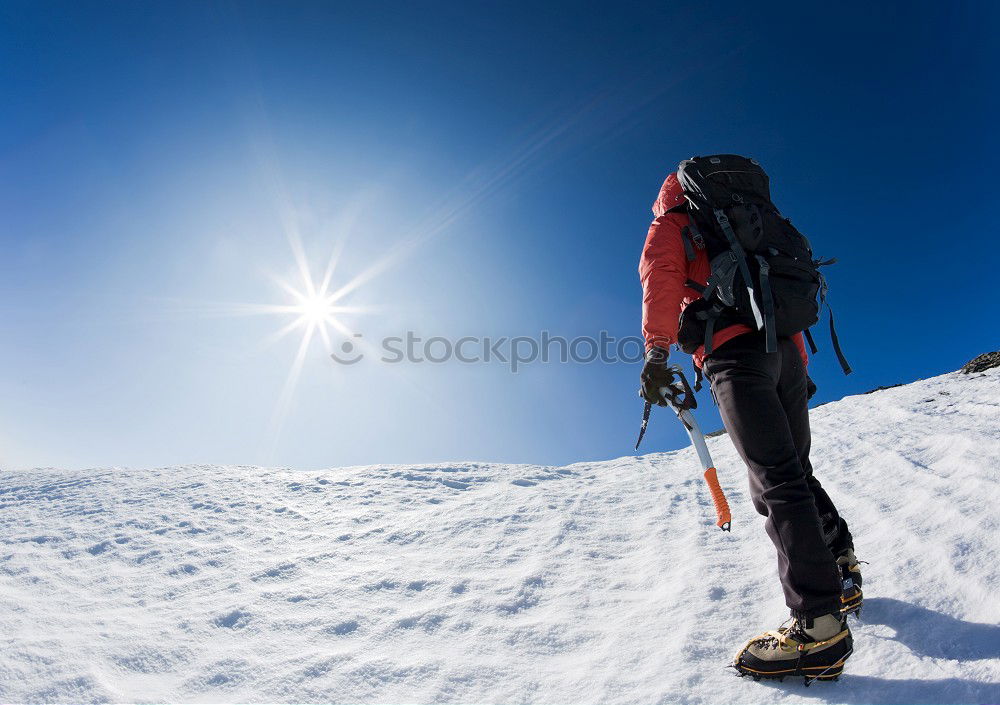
x=688 y=245
x=770 y=334
x=741 y=260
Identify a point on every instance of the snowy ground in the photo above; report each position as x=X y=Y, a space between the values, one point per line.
x=478 y=583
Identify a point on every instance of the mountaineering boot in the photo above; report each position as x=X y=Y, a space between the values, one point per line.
x=852 y=598
x=815 y=648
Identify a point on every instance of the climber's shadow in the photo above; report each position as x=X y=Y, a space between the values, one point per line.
x=931 y=633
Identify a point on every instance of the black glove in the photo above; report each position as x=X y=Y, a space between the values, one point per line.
x=655 y=374
x=810 y=388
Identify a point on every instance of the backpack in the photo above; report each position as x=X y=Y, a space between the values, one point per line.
x=763 y=273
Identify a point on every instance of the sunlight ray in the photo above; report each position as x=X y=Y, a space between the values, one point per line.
x=225 y=309
x=324 y=334
x=331 y=265
x=341 y=328
x=284 y=402
x=604 y=107
x=282 y=333
x=295 y=293
x=359 y=309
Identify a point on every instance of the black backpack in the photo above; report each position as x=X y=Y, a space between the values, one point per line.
x=762 y=269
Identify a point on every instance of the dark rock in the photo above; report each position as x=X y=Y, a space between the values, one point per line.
x=879 y=389
x=986 y=361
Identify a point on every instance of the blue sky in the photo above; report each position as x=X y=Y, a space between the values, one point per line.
x=485 y=169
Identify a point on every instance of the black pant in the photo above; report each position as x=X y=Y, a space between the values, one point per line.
x=762 y=398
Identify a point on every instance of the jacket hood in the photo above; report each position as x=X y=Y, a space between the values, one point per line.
x=671 y=194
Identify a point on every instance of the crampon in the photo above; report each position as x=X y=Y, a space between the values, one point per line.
x=792 y=651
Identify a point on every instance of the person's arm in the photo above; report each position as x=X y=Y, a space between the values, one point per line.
x=663 y=273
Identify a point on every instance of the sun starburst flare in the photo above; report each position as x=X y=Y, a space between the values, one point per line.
x=310 y=309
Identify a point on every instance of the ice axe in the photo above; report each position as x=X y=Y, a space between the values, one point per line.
x=680 y=397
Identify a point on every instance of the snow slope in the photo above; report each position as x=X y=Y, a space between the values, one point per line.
x=479 y=583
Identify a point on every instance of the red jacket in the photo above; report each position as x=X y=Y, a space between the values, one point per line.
x=663 y=270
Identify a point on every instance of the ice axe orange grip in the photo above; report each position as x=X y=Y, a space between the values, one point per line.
x=723 y=517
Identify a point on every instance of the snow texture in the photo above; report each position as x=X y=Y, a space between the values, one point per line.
x=593 y=583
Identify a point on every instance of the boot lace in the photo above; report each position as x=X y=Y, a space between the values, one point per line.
x=790 y=629
x=788 y=637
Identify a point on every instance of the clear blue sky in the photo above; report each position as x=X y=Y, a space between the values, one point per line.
x=495 y=162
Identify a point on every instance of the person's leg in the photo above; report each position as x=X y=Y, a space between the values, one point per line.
x=745 y=381
x=794 y=400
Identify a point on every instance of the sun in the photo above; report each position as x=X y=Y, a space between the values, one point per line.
x=315 y=309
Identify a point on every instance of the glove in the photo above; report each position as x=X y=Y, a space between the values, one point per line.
x=810 y=388
x=655 y=374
